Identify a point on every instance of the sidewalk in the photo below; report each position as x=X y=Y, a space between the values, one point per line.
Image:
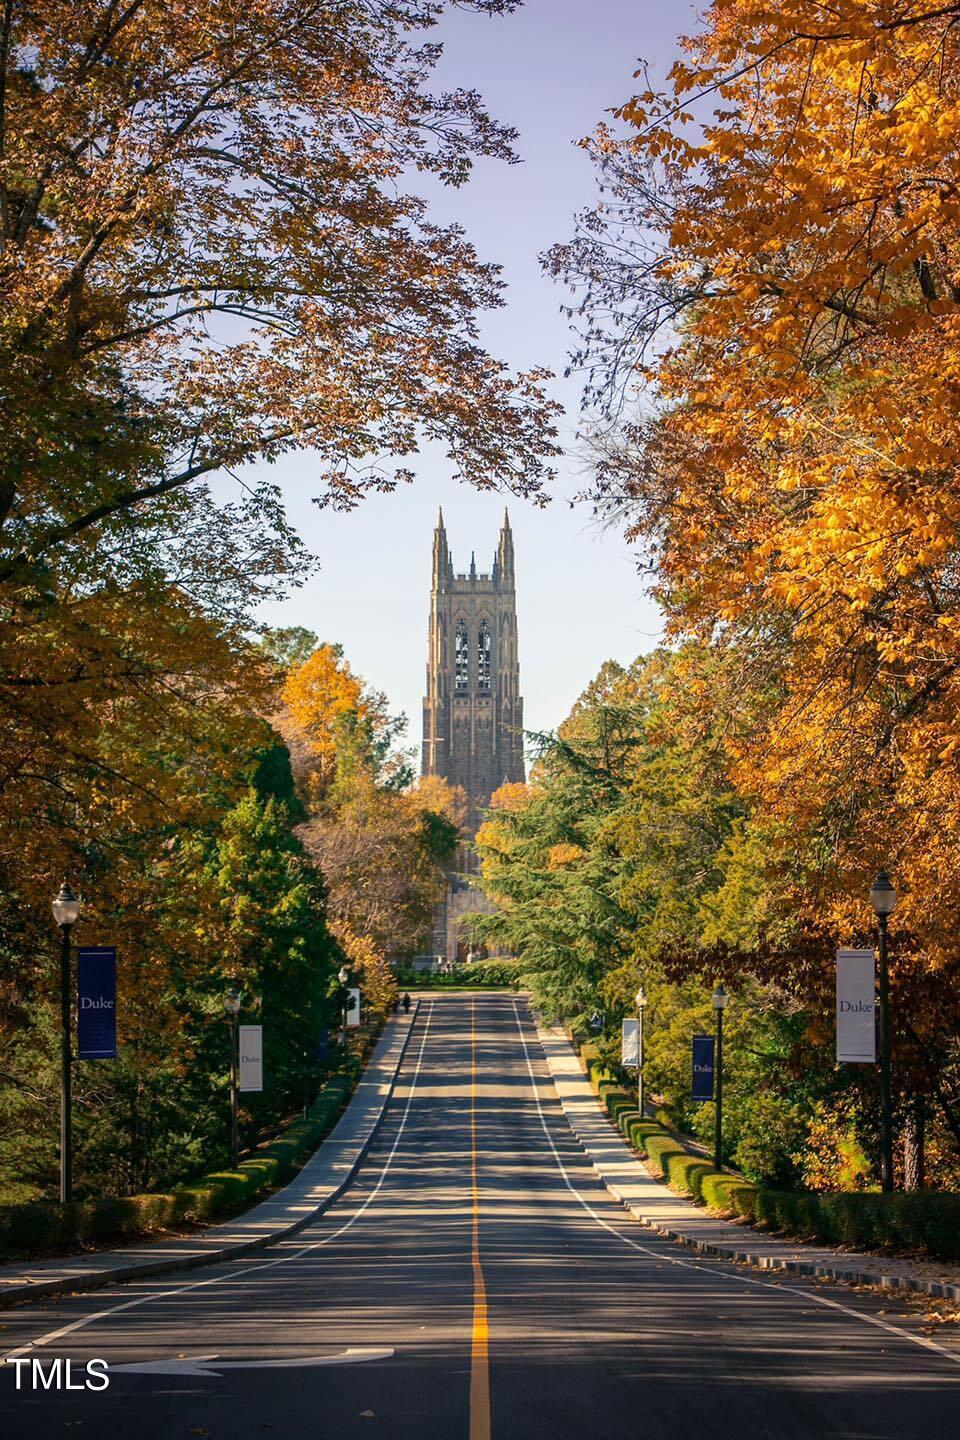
x=324 y=1176
x=677 y=1218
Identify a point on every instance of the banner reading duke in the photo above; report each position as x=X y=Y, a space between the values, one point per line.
x=97 y=1003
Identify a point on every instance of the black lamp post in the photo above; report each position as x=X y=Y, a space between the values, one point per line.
x=66 y=912
x=641 y=998
x=343 y=975
x=231 y=1005
x=883 y=898
x=720 y=999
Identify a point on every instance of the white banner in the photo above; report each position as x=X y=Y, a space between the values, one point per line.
x=630 y=1043
x=353 y=1007
x=250 y=1038
x=856 y=1007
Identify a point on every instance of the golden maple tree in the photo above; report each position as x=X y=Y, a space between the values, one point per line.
x=327 y=704
x=792 y=304
x=381 y=841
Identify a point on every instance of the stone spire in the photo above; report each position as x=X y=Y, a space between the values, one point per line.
x=442 y=564
x=503 y=563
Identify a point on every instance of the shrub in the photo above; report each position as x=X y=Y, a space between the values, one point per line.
x=728 y=1194
x=480 y=975
x=589 y=1054
x=769 y=1131
x=926 y=1221
x=43 y=1225
x=597 y=1071
x=620 y=1102
x=832 y=1156
x=638 y=1131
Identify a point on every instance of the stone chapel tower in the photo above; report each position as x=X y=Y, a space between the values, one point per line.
x=472 y=712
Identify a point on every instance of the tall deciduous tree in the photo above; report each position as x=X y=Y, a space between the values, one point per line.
x=381 y=842
x=207 y=256
x=778 y=260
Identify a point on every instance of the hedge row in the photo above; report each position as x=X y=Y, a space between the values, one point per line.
x=454 y=982
x=481 y=975
x=43 y=1225
x=924 y=1221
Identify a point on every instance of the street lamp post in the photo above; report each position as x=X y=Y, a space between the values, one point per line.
x=720 y=999
x=231 y=1005
x=883 y=898
x=66 y=912
x=641 y=998
x=343 y=975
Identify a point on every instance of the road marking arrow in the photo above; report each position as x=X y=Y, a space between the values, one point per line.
x=212 y=1365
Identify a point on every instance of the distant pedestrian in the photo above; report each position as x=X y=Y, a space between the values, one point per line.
x=406 y=1003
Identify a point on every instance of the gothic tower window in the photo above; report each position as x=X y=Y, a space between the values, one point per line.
x=483 y=656
x=462 y=657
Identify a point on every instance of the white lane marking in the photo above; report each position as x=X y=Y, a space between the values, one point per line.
x=250 y=1269
x=700 y=1269
x=212 y=1365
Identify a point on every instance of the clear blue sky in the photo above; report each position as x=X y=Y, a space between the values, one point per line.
x=552 y=70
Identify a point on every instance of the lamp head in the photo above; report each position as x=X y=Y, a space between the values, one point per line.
x=231 y=1001
x=66 y=906
x=343 y=974
x=641 y=998
x=883 y=897
x=720 y=998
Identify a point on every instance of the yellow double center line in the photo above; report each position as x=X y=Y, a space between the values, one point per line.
x=480 y=1351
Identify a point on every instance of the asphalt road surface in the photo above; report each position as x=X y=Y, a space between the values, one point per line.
x=477 y=1281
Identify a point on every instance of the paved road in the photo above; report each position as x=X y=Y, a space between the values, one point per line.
x=476 y=1281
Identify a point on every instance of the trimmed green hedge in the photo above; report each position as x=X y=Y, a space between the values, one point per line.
x=43 y=1225
x=924 y=1221
x=451 y=982
x=481 y=975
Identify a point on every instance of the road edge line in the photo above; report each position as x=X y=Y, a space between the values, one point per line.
x=98 y=1279
x=730 y=1275
x=806 y=1269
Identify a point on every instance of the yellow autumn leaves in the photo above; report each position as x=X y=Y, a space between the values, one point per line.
x=793 y=311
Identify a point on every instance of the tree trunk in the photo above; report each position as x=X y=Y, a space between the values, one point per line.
x=913 y=1146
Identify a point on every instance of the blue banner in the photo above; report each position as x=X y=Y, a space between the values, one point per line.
x=702 y=1086
x=97 y=1004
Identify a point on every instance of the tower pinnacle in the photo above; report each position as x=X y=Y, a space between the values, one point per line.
x=441 y=555
x=504 y=561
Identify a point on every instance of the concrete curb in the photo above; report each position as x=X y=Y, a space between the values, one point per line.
x=817 y=1269
x=97 y=1276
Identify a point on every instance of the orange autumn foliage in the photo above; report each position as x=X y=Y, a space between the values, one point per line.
x=370 y=966
x=792 y=306
x=323 y=696
x=511 y=797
